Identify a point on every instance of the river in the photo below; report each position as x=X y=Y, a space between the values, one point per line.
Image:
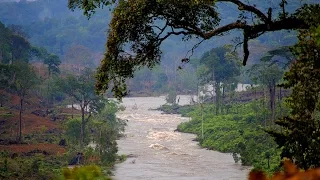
x=156 y=152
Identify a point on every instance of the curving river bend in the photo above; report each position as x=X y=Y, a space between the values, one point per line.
x=156 y=152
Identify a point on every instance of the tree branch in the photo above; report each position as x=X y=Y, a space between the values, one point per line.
x=172 y=33
x=254 y=31
x=228 y=27
x=245 y=7
x=87 y=119
x=162 y=29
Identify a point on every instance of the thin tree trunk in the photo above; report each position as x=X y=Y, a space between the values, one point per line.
x=217 y=98
x=256 y=100
x=222 y=102
x=280 y=98
x=264 y=106
x=20 y=119
x=1 y=57
x=82 y=127
x=72 y=110
x=11 y=60
x=272 y=91
x=100 y=135
x=48 y=86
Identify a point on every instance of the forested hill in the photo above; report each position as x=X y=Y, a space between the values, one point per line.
x=50 y=24
x=77 y=39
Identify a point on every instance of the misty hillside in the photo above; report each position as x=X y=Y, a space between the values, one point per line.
x=159 y=89
x=49 y=23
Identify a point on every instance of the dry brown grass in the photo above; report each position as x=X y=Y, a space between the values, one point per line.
x=291 y=172
x=53 y=149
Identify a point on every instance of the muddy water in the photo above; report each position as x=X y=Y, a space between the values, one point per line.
x=156 y=152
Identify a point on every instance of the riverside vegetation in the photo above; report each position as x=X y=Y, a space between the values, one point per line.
x=237 y=131
x=40 y=136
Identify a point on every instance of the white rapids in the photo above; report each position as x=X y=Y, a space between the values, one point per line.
x=156 y=152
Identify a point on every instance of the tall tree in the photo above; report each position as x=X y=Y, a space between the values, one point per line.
x=136 y=24
x=20 y=48
x=4 y=44
x=219 y=67
x=14 y=45
x=268 y=75
x=53 y=62
x=106 y=128
x=25 y=79
x=300 y=132
x=81 y=88
x=7 y=79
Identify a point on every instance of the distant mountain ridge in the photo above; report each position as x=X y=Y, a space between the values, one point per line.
x=52 y=25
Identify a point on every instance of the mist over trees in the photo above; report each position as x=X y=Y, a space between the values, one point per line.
x=36 y=124
x=57 y=53
x=53 y=26
x=136 y=24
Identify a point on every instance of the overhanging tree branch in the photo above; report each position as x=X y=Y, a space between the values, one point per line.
x=254 y=31
x=138 y=28
x=245 y=7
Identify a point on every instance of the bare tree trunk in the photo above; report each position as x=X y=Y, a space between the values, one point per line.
x=280 y=98
x=20 y=119
x=223 y=96
x=100 y=135
x=217 y=98
x=82 y=127
x=264 y=106
x=272 y=91
x=72 y=110
x=11 y=59
x=1 y=57
x=256 y=100
x=48 y=98
x=39 y=71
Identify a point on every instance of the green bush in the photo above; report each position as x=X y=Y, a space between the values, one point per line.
x=84 y=173
x=240 y=132
x=30 y=167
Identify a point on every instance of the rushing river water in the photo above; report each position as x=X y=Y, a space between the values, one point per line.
x=156 y=152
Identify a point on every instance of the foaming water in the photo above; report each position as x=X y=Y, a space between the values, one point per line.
x=158 y=152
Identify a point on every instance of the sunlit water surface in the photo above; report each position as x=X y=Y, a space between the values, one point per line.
x=157 y=152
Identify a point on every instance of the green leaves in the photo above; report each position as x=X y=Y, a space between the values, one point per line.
x=81 y=88
x=89 y=6
x=301 y=128
x=13 y=46
x=237 y=132
x=141 y=26
x=220 y=65
x=53 y=63
x=138 y=28
x=25 y=78
x=84 y=173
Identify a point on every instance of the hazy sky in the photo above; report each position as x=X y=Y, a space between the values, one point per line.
x=13 y=0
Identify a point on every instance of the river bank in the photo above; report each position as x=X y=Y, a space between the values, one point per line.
x=239 y=130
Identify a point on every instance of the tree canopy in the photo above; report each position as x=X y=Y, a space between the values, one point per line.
x=81 y=89
x=138 y=28
x=219 y=65
x=300 y=132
